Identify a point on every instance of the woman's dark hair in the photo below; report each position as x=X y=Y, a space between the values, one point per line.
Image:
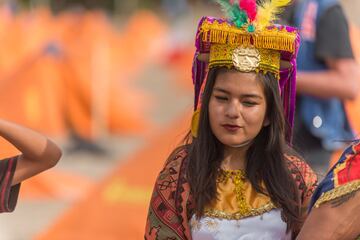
x=265 y=157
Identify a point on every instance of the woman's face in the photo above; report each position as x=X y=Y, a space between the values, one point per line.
x=237 y=108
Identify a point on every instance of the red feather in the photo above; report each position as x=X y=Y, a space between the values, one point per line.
x=249 y=6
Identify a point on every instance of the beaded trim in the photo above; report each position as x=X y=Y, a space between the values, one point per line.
x=338 y=192
x=237 y=216
x=238 y=177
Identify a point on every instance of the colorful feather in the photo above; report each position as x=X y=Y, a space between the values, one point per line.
x=249 y=6
x=268 y=12
x=233 y=12
x=227 y=8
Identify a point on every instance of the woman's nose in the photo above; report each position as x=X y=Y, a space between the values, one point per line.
x=233 y=110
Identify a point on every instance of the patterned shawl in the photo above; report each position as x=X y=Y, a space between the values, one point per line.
x=171 y=205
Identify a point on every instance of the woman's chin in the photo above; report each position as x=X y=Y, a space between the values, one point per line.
x=233 y=142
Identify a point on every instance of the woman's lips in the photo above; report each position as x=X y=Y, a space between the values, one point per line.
x=231 y=128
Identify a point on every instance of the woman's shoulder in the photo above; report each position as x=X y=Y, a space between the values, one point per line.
x=343 y=179
x=176 y=159
x=302 y=173
x=174 y=168
x=168 y=210
x=296 y=164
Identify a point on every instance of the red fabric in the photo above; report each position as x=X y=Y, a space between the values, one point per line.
x=8 y=193
x=351 y=170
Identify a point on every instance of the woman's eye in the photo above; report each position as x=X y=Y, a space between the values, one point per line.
x=221 y=98
x=249 y=103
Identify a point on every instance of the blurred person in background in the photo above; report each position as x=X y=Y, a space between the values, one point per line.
x=175 y=8
x=236 y=175
x=328 y=75
x=61 y=5
x=335 y=212
x=38 y=154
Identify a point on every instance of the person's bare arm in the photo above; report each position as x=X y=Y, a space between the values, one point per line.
x=342 y=80
x=337 y=219
x=38 y=153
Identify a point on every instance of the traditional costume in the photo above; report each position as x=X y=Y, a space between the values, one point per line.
x=335 y=205
x=343 y=179
x=248 y=42
x=8 y=193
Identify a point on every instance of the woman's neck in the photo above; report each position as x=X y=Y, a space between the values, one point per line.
x=234 y=158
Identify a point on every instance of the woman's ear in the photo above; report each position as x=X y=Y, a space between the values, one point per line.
x=266 y=122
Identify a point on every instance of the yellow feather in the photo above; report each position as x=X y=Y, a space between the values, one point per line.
x=268 y=12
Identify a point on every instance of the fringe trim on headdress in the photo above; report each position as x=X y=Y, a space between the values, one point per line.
x=225 y=33
x=225 y=37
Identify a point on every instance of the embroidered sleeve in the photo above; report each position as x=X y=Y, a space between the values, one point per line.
x=304 y=177
x=8 y=194
x=345 y=178
x=167 y=216
x=336 y=193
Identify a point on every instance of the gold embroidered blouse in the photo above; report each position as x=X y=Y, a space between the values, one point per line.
x=237 y=198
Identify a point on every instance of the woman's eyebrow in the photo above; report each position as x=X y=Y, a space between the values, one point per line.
x=251 y=96
x=248 y=95
x=221 y=90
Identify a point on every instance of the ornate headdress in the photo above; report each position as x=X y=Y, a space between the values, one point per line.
x=248 y=41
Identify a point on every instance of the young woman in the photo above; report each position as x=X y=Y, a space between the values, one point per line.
x=236 y=177
x=37 y=154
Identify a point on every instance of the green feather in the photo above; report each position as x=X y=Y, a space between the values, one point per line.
x=241 y=18
x=233 y=12
x=227 y=8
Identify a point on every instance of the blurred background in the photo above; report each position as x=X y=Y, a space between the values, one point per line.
x=110 y=81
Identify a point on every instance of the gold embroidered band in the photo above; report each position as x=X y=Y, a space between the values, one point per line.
x=338 y=192
x=245 y=59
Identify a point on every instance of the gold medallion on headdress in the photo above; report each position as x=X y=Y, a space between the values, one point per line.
x=246 y=59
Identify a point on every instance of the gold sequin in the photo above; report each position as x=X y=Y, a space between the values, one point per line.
x=238 y=177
